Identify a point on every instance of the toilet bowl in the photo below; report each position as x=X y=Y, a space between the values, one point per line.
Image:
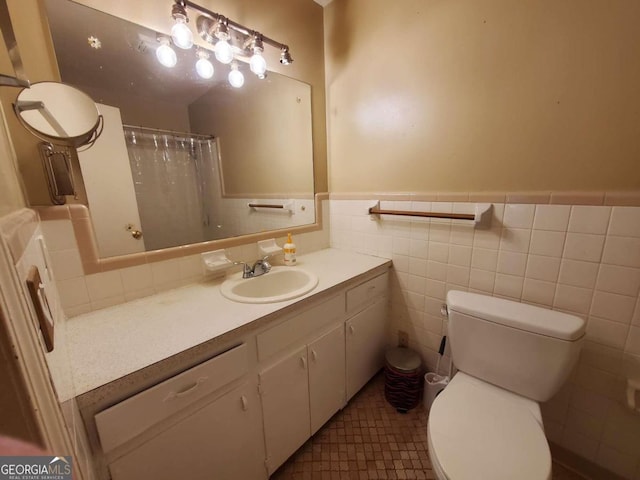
x=486 y=424
x=479 y=431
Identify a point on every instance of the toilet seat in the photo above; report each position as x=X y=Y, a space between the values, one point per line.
x=479 y=431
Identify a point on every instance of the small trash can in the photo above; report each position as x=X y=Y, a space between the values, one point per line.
x=433 y=385
x=403 y=379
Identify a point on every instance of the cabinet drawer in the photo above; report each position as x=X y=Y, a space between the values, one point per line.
x=299 y=327
x=129 y=418
x=367 y=292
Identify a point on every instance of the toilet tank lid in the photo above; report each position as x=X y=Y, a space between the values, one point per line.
x=517 y=315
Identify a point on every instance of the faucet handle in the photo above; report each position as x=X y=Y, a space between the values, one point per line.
x=246 y=268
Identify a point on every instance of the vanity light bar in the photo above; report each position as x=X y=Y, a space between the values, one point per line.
x=214 y=29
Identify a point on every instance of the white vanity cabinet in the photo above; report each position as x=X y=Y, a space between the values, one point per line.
x=221 y=440
x=343 y=343
x=199 y=424
x=366 y=338
x=241 y=414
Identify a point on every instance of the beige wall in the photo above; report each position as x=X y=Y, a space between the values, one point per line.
x=294 y=22
x=11 y=197
x=478 y=95
x=264 y=135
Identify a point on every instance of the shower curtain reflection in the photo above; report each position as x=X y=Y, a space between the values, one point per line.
x=176 y=183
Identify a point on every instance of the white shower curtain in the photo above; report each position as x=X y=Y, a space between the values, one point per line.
x=175 y=179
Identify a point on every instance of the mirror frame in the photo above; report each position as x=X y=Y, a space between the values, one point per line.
x=80 y=218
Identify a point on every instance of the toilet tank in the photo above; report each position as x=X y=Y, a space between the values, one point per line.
x=525 y=349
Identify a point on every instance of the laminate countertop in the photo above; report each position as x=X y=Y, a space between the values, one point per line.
x=106 y=345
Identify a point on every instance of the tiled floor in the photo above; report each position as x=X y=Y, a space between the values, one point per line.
x=369 y=439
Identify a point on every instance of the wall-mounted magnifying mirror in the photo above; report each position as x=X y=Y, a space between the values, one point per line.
x=63 y=115
x=56 y=112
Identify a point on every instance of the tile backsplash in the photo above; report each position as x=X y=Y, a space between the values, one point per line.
x=579 y=259
x=80 y=293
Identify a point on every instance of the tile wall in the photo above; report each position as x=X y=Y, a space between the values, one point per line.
x=583 y=260
x=80 y=293
x=22 y=234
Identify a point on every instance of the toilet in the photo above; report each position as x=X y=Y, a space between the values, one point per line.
x=510 y=356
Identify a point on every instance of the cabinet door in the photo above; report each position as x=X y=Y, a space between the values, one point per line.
x=222 y=440
x=326 y=376
x=366 y=342
x=285 y=407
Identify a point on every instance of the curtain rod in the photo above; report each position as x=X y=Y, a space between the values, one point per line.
x=169 y=132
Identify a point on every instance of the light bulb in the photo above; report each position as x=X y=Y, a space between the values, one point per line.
x=165 y=54
x=236 y=79
x=258 y=64
x=181 y=34
x=204 y=67
x=223 y=52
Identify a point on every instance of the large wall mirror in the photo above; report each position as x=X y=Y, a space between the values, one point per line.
x=181 y=158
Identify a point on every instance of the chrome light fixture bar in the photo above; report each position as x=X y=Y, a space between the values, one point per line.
x=229 y=39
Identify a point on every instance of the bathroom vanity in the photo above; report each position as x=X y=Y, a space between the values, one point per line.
x=188 y=383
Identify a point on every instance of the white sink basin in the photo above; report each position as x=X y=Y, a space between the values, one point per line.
x=281 y=283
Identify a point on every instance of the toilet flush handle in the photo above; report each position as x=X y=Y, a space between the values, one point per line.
x=444 y=310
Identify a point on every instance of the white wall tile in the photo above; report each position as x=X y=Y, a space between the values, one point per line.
x=484 y=259
x=416 y=284
x=589 y=219
x=401 y=245
x=547 y=243
x=543 y=268
x=136 y=278
x=622 y=430
x=515 y=240
x=582 y=246
x=435 y=289
x=580 y=444
x=59 y=235
x=66 y=264
x=614 y=307
x=633 y=341
x=512 y=263
x=73 y=292
x=487 y=238
x=508 y=286
x=539 y=292
x=460 y=255
x=462 y=234
x=419 y=248
x=418 y=266
x=573 y=299
x=625 y=222
x=518 y=215
x=458 y=275
x=620 y=463
x=584 y=423
x=482 y=280
x=104 y=285
x=623 y=251
x=607 y=332
x=437 y=271
x=616 y=279
x=552 y=217
x=578 y=273
x=438 y=252
x=440 y=232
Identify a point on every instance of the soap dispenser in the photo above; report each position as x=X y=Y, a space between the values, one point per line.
x=289 y=251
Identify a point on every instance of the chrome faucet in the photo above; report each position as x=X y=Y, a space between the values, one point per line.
x=261 y=267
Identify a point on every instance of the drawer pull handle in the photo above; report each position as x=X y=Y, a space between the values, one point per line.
x=186 y=391
x=303 y=361
x=314 y=355
x=245 y=403
x=351 y=329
